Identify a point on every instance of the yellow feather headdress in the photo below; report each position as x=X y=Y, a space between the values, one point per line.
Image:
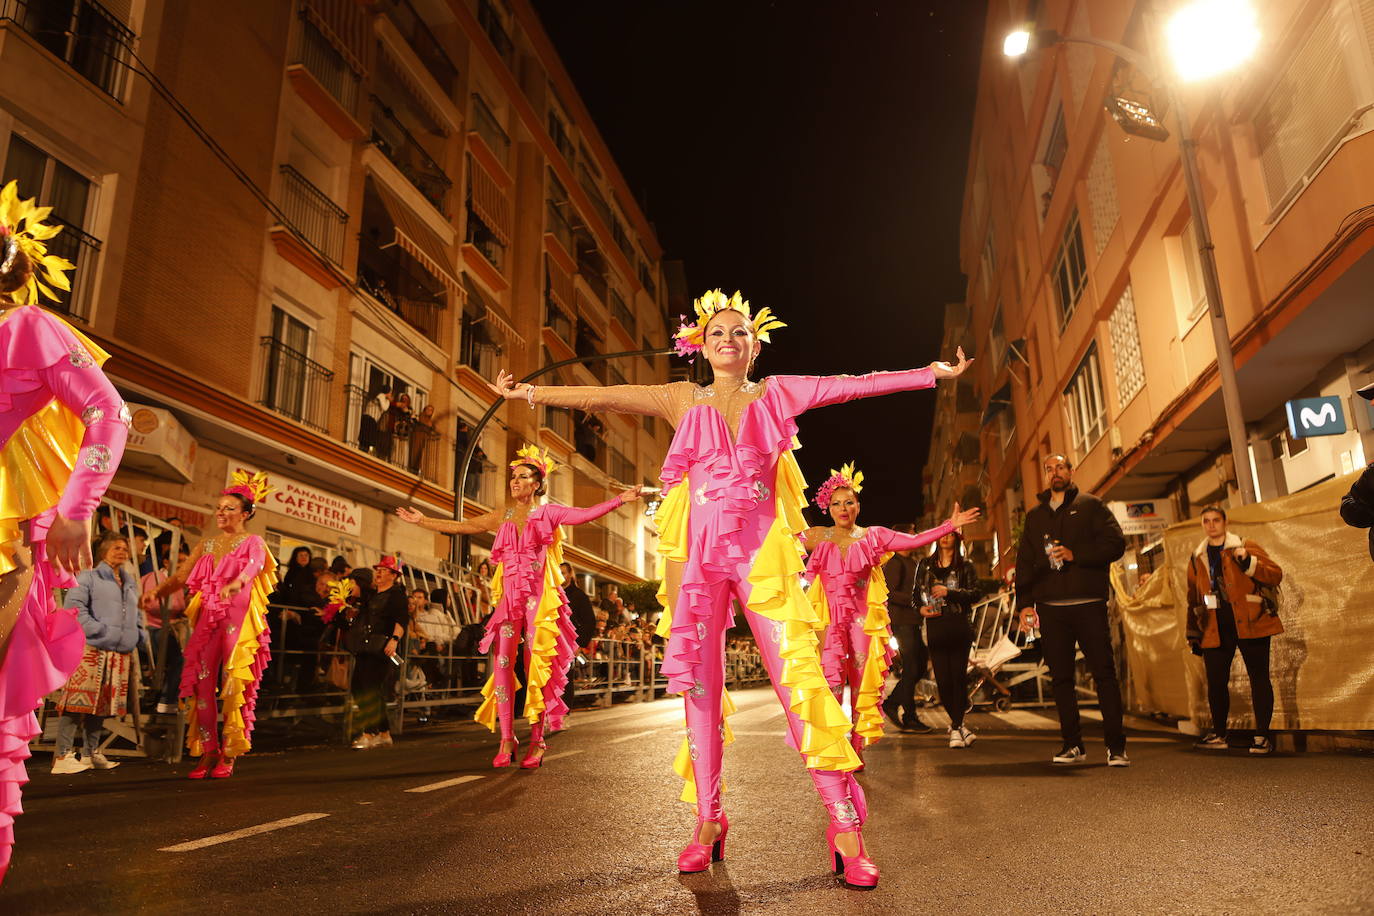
x=531 y=454
x=690 y=338
x=252 y=487
x=21 y=222
x=845 y=478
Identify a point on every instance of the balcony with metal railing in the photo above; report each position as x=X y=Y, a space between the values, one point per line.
x=558 y=420
x=83 y=33
x=83 y=250
x=426 y=47
x=490 y=21
x=294 y=385
x=329 y=68
x=479 y=349
x=400 y=439
x=394 y=279
x=311 y=213
x=558 y=321
x=620 y=467
x=397 y=143
x=486 y=126
x=558 y=226
x=621 y=312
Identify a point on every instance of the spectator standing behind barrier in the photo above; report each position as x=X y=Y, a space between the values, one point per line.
x=583 y=615
x=1067 y=546
x=1227 y=611
x=106 y=603
x=172 y=635
x=374 y=636
x=900 y=574
x=949 y=586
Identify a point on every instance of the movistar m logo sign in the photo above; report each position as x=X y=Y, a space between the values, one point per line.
x=1315 y=417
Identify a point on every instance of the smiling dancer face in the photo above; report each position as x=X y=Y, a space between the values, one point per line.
x=731 y=346
x=526 y=482
x=844 y=507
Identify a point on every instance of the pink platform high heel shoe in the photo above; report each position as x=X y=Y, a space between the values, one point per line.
x=224 y=769
x=534 y=757
x=207 y=761
x=504 y=758
x=697 y=857
x=858 y=871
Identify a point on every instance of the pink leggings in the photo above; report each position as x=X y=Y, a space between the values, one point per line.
x=507 y=644
x=705 y=725
x=843 y=657
x=207 y=677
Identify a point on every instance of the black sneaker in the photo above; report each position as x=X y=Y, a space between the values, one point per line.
x=1071 y=753
x=913 y=723
x=1118 y=759
x=1211 y=742
x=894 y=714
x=1262 y=746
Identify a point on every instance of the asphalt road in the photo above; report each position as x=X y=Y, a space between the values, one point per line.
x=429 y=827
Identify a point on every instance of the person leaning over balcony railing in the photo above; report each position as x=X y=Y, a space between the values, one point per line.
x=530 y=604
x=727 y=533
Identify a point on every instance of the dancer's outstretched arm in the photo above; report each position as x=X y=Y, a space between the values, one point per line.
x=488 y=522
x=574 y=515
x=654 y=400
x=803 y=392
x=896 y=540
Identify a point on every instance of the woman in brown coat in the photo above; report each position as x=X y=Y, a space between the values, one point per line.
x=1226 y=611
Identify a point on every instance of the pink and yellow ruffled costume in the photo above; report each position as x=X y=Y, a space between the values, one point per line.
x=849 y=594
x=230 y=642
x=63 y=428
x=728 y=531
x=530 y=604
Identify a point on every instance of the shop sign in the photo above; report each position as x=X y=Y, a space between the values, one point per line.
x=1144 y=517
x=159 y=445
x=307 y=503
x=1315 y=417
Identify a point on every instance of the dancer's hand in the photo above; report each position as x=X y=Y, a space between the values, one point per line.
x=229 y=591
x=407 y=514
x=945 y=370
x=505 y=386
x=960 y=518
x=631 y=494
x=69 y=545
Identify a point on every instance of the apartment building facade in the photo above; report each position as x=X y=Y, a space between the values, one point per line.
x=288 y=217
x=1085 y=294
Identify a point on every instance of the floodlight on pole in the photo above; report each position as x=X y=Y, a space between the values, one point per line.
x=1209 y=37
x=1016 y=43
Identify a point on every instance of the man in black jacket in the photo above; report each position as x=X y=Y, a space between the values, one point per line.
x=900 y=574
x=583 y=616
x=1067 y=546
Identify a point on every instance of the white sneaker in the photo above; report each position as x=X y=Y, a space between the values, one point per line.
x=968 y=736
x=382 y=740
x=101 y=762
x=956 y=738
x=365 y=742
x=164 y=709
x=1071 y=753
x=68 y=763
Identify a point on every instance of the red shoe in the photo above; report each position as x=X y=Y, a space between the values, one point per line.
x=224 y=770
x=533 y=759
x=858 y=872
x=207 y=760
x=504 y=758
x=697 y=857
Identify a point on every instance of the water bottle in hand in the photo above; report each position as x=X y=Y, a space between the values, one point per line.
x=1055 y=563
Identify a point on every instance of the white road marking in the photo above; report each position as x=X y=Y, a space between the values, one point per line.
x=241 y=834
x=1022 y=718
x=778 y=734
x=633 y=737
x=548 y=757
x=456 y=781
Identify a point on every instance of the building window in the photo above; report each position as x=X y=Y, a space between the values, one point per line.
x=1052 y=158
x=997 y=339
x=646 y=279
x=558 y=132
x=1126 y=359
x=311 y=213
x=81 y=32
x=989 y=263
x=1190 y=292
x=1070 y=270
x=481 y=236
x=1086 y=408
x=293 y=384
x=386 y=419
x=1102 y=200
x=621 y=313
x=55 y=184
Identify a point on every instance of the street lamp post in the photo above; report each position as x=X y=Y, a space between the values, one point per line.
x=1203 y=16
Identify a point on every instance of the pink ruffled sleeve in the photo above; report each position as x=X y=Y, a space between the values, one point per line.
x=573 y=515
x=800 y=393
x=78 y=383
x=887 y=540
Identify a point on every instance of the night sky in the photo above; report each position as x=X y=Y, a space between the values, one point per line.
x=813 y=156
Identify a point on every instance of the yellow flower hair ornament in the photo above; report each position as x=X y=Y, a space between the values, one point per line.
x=532 y=455
x=252 y=488
x=22 y=229
x=844 y=478
x=691 y=338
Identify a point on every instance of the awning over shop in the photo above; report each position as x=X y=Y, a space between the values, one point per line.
x=417 y=239
x=489 y=201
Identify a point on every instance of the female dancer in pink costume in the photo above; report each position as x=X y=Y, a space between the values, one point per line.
x=62 y=432
x=530 y=603
x=229 y=577
x=728 y=530
x=850 y=596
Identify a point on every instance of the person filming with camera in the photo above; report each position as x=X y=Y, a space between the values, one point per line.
x=1232 y=605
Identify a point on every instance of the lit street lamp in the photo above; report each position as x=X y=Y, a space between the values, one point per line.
x=1205 y=38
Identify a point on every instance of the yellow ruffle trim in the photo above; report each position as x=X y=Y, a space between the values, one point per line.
x=487 y=713
x=868 y=722
x=238 y=669
x=36 y=463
